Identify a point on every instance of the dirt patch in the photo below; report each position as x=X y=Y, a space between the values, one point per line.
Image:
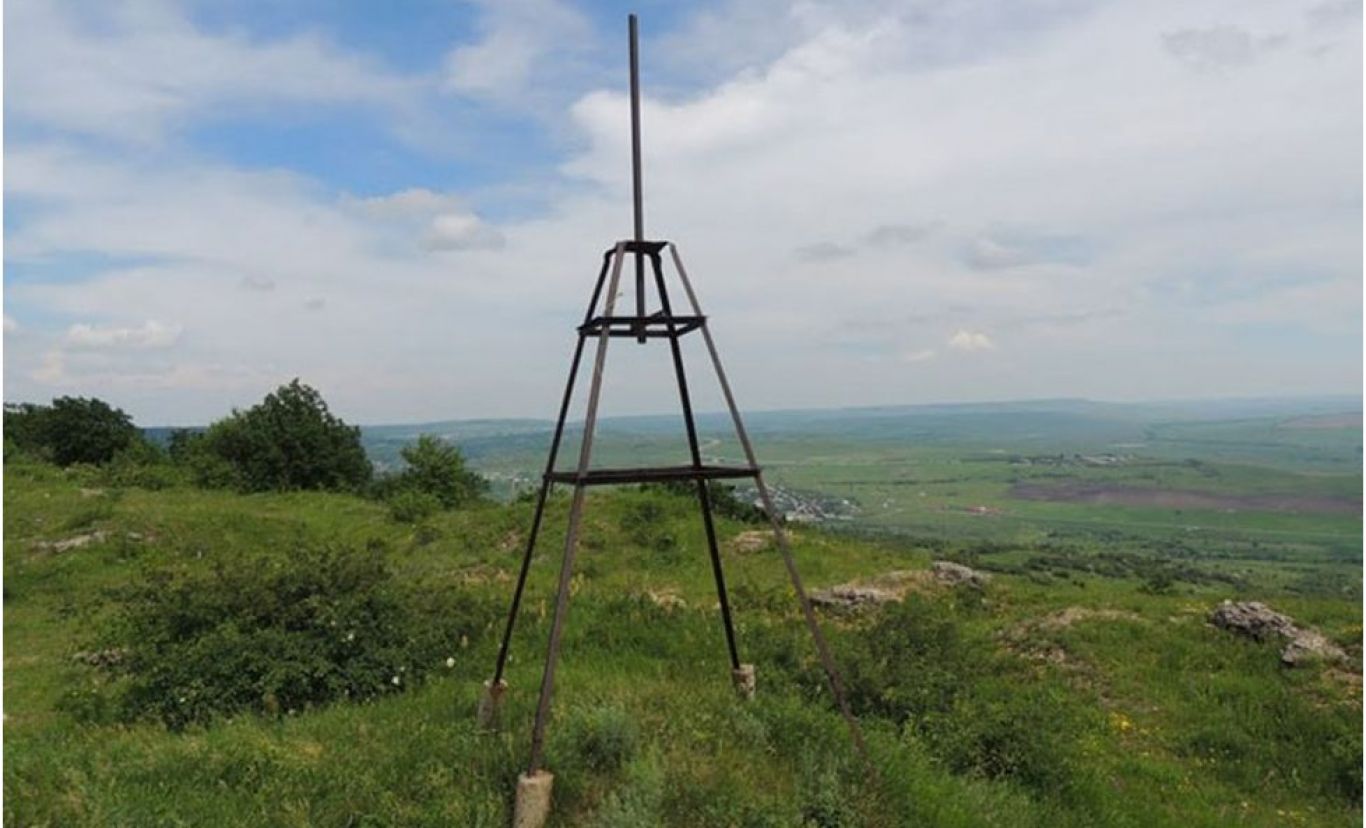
x=1111 y=495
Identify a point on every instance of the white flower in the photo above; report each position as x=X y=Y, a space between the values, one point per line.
x=396 y=681
x=450 y=662
x=350 y=636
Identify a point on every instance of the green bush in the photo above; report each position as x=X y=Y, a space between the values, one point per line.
x=602 y=738
x=142 y=465
x=71 y=430
x=978 y=710
x=280 y=634
x=290 y=440
x=436 y=468
x=410 y=506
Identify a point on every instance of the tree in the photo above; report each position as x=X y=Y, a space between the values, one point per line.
x=71 y=430
x=437 y=468
x=290 y=440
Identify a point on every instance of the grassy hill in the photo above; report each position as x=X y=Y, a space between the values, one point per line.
x=1061 y=694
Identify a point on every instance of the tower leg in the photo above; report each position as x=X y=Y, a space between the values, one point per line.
x=571 y=540
x=703 y=496
x=827 y=661
x=556 y=629
x=491 y=701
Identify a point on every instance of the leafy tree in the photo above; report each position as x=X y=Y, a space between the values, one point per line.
x=437 y=468
x=290 y=440
x=71 y=430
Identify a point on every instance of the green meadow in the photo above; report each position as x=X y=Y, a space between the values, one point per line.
x=1082 y=686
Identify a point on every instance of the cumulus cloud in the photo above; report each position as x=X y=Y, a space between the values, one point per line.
x=922 y=355
x=131 y=71
x=519 y=40
x=1218 y=47
x=462 y=231
x=965 y=340
x=885 y=235
x=150 y=334
x=1060 y=144
x=259 y=283
x=823 y=252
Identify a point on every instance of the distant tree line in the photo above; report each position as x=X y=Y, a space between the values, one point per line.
x=289 y=441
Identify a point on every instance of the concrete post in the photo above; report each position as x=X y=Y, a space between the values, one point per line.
x=532 y=807
x=745 y=682
x=490 y=712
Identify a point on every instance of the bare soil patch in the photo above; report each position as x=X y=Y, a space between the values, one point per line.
x=1113 y=495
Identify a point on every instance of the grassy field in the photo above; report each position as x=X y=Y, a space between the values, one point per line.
x=1082 y=687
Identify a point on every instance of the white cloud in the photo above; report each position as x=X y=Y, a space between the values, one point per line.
x=519 y=41
x=923 y=355
x=965 y=340
x=1009 y=134
x=462 y=231
x=150 y=334
x=11 y=326
x=131 y=71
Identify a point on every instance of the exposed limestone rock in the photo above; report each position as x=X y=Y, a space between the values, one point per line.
x=851 y=598
x=955 y=573
x=863 y=594
x=74 y=542
x=1256 y=620
x=101 y=658
x=752 y=541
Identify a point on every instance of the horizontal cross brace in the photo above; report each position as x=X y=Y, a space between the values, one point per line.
x=656 y=325
x=652 y=474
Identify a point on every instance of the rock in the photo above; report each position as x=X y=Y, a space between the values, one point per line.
x=953 y=574
x=1255 y=620
x=1310 y=645
x=851 y=598
x=101 y=658
x=667 y=599
x=751 y=541
x=1252 y=619
x=75 y=542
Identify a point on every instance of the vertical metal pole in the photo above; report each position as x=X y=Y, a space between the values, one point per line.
x=827 y=661
x=637 y=197
x=544 y=493
x=572 y=534
x=702 y=494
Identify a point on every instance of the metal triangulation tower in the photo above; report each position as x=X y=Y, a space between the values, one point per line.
x=600 y=326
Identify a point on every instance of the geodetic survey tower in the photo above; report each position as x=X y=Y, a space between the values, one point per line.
x=603 y=322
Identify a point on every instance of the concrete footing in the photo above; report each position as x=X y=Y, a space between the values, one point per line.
x=745 y=683
x=490 y=712
x=532 y=808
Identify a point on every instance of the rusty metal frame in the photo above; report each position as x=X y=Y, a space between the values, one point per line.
x=662 y=324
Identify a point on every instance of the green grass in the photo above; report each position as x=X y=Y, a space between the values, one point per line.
x=1157 y=718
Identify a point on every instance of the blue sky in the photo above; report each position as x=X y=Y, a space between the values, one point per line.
x=880 y=202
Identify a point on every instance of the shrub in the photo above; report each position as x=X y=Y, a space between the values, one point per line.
x=437 y=468
x=410 y=506
x=142 y=465
x=603 y=738
x=71 y=430
x=978 y=710
x=290 y=440
x=280 y=634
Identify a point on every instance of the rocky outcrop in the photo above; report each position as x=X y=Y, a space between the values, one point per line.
x=852 y=597
x=74 y=542
x=953 y=574
x=1255 y=620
